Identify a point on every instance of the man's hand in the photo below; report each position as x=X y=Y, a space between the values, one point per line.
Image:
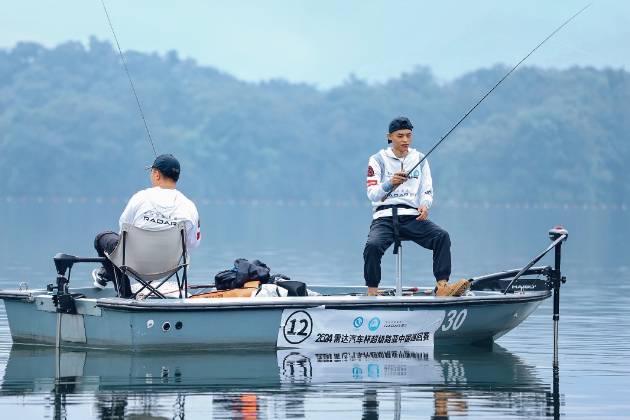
x=424 y=213
x=399 y=178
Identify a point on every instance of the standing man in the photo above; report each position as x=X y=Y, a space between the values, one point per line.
x=404 y=214
x=155 y=208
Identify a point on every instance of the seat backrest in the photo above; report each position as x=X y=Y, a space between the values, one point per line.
x=151 y=254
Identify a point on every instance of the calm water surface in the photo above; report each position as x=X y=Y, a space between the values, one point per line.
x=324 y=245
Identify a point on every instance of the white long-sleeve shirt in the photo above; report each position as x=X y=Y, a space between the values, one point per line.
x=416 y=191
x=160 y=208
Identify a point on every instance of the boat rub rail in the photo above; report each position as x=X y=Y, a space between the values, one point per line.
x=330 y=303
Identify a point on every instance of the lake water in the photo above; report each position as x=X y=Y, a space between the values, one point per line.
x=323 y=244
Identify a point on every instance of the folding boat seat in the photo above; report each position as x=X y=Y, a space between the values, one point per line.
x=149 y=256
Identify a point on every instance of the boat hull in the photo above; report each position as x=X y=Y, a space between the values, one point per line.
x=174 y=324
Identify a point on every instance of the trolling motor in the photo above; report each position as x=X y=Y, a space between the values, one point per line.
x=63 y=299
x=558 y=235
x=497 y=281
x=554 y=276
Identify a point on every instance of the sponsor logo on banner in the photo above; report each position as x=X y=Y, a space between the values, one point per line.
x=317 y=327
x=374 y=324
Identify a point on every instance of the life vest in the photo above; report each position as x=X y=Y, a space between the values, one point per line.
x=248 y=289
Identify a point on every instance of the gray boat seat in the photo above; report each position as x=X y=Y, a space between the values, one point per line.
x=149 y=256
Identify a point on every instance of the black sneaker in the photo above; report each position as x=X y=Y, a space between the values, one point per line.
x=100 y=278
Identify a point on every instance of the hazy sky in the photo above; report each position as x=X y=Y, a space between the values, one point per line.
x=323 y=41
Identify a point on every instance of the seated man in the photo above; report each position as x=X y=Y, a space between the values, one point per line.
x=391 y=190
x=151 y=209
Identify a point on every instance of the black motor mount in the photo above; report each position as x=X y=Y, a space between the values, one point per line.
x=63 y=300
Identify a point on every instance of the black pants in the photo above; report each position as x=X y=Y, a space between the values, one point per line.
x=107 y=242
x=425 y=233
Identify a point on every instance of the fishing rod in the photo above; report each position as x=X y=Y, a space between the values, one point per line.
x=133 y=88
x=485 y=96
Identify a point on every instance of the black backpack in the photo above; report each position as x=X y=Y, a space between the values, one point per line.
x=294 y=288
x=242 y=272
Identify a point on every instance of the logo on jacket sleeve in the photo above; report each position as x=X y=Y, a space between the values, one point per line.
x=370 y=171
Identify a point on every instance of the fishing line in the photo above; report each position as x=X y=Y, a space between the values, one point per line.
x=133 y=88
x=486 y=95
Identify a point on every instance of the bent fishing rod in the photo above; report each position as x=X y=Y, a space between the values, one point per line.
x=485 y=96
x=133 y=88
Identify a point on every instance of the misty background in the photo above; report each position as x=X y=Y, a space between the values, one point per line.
x=70 y=127
x=286 y=101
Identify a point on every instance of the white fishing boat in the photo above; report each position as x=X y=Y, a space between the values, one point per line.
x=337 y=316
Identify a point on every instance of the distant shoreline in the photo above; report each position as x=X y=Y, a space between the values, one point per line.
x=255 y=202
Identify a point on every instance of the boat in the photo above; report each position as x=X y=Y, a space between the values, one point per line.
x=333 y=317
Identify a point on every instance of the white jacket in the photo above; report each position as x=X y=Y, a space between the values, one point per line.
x=159 y=208
x=416 y=191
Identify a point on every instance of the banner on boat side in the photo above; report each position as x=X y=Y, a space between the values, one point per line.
x=331 y=328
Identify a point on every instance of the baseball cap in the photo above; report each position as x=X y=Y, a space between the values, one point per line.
x=168 y=165
x=400 y=123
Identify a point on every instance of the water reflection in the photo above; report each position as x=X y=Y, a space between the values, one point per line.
x=252 y=385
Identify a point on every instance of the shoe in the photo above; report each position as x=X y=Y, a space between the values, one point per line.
x=457 y=289
x=100 y=278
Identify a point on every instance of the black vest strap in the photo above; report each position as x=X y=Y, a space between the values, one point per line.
x=395 y=206
x=395 y=223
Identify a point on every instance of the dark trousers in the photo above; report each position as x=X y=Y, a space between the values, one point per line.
x=107 y=242
x=425 y=233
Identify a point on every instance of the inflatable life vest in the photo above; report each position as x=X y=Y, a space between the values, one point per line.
x=248 y=289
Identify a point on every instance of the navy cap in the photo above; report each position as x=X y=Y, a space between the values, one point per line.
x=168 y=165
x=400 y=123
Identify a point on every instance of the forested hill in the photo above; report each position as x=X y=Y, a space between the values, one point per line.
x=69 y=126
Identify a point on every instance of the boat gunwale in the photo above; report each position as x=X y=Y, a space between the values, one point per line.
x=329 y=302
x=24 y=295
